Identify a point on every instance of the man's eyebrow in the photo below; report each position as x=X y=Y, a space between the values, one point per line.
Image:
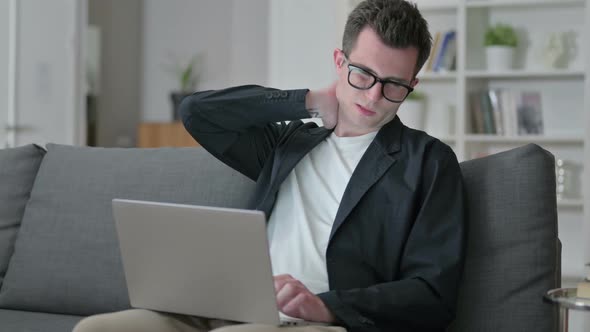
x=389 y=78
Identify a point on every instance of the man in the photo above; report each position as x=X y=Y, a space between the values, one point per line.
x=366 y=221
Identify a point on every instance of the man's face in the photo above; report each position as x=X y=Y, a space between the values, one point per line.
x=364 y=111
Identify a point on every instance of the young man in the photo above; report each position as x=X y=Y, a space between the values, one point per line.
x=366 y=220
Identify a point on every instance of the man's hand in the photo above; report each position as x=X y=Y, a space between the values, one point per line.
x=323 y=104
x=295 y=300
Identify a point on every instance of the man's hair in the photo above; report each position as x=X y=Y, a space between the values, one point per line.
x=398 y=23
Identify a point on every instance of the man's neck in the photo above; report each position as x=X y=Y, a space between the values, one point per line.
x=342 y=130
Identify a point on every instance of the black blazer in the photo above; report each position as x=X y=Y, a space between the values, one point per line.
x=396 y=249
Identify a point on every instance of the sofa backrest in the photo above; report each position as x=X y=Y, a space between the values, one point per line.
x=513 y=252
x=18 y=168
x=66 y=258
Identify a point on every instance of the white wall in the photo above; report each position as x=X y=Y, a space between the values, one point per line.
x=47 y=101
x=230 y=34
x=304 y=34
x=249 y=44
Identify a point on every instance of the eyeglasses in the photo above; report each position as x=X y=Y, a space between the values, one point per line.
x=362 y=79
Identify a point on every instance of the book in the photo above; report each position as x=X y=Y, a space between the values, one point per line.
x=508 y=106
x=496 y=109
x=445 y=53
x=477 y=126
x=433 y=51
x=488 y=115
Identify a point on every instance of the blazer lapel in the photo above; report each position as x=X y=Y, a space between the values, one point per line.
x=375 y=162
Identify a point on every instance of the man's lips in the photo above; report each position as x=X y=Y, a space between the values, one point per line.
x=364 y=111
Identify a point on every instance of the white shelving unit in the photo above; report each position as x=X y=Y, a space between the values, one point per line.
x=565 y=96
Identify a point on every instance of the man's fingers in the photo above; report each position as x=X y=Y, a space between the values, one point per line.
x=281 y=280
x=293 y=307
x=283 y=276
x=287 y=293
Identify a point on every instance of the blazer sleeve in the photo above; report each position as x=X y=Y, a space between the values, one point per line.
x=241 y=125
x=424 y=297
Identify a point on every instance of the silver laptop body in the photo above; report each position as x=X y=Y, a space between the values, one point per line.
x=199 y=261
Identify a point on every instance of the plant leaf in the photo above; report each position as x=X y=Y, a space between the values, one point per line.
x=187 y=77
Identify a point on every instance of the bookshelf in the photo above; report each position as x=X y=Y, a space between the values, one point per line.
x=564 y=91
x=480 y=138
x=524 y=74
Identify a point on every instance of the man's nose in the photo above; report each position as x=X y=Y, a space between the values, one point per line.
x=374 y=93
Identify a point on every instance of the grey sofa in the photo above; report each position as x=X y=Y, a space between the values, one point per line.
x=59 y=258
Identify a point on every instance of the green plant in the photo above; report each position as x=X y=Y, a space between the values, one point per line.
x=416 y=95
x=500 y=35
x=186 y=74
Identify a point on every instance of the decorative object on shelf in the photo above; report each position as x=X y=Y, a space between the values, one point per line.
x=568 y=177
x=187 y=78
x=529 y=114
x=500 y=42
x=558 y=50
x=411 y=111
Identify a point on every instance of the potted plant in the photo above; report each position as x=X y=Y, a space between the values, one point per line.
x=411 y=111
x=187 y=77
x=500 y=42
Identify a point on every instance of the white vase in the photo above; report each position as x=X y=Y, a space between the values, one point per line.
x=411 y=113
x=500 y=58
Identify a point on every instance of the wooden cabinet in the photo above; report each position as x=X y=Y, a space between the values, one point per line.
x=165 y=134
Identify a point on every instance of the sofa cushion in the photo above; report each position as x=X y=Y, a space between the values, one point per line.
x=23 y=321
x=512 y=248
x=18 y=168
x=66 y=256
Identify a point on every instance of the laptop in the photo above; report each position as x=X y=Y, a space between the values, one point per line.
x=199 y=261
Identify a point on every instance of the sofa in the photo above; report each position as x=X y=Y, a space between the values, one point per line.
x=59 y=256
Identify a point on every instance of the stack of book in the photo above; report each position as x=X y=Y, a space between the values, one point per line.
x=506 y=112
x=443 y=55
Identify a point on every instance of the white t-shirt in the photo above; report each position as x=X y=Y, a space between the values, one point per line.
x=300 y=224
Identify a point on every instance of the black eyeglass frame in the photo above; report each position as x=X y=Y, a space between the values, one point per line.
x=380 y=80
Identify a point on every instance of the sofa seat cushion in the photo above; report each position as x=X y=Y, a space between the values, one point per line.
x=66 y=257
x=18 y=168
x=24 y=321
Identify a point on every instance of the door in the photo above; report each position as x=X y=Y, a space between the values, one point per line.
x=4 y=69
x=44 y=99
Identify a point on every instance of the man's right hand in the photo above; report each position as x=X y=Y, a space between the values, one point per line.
x=323 y=104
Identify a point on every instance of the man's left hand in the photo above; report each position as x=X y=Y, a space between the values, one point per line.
x=295 y=300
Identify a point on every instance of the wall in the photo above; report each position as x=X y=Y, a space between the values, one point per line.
x=47 y=88
x=230 y=35
x=304 y=34
x=249 y=43
x=118 y=105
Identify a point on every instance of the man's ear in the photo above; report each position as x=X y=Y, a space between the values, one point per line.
x=414 y=82
x=339 y=58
